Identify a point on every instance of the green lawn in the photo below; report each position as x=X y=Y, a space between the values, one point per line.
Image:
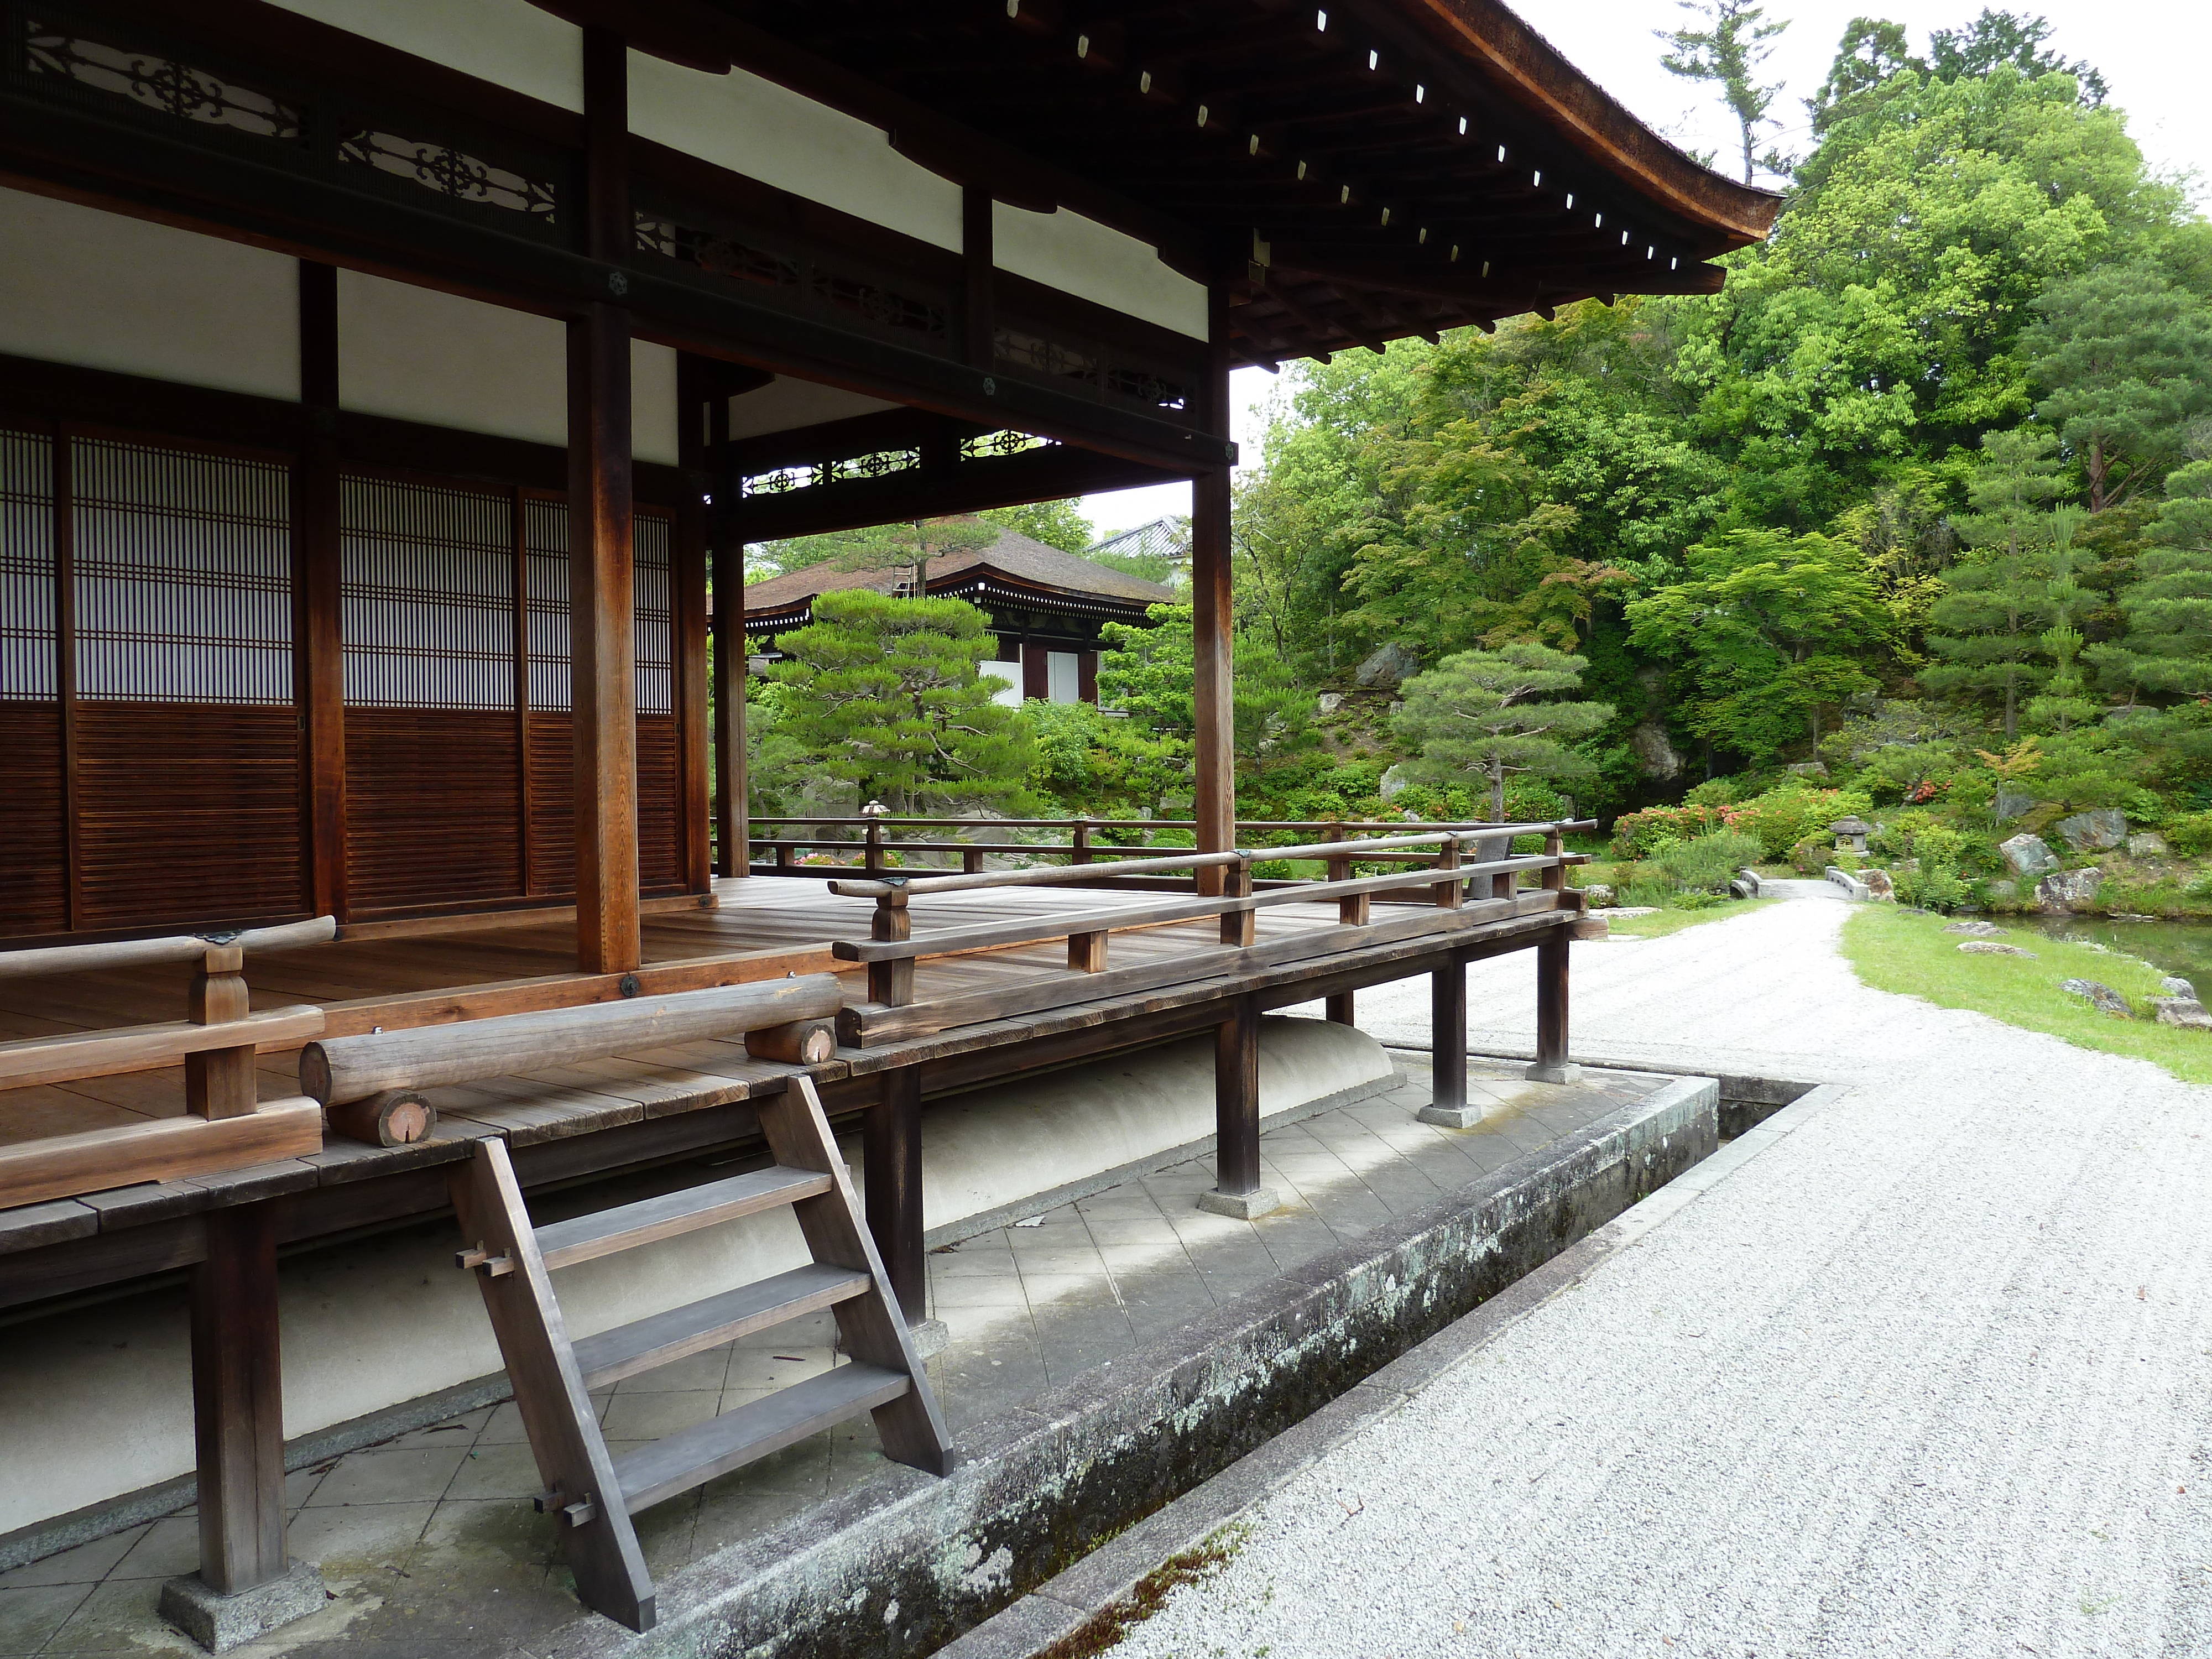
x=1893 y=950
x=1660 y=923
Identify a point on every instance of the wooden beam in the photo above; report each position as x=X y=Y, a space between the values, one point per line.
x=64 y=539
x=688 y=592
x=238 y=1401
x=978 y=280
x=161 y=1149
x=1237 y=1101
x=317 y=575
x=890 y=1139
x=1212 y=620
x=1448 y=1036
x=74 y=1055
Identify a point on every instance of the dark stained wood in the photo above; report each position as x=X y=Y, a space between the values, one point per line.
x=1237 y=1100
x=317 y=574
x=1337 y=1009
x=238 y=1401
x=64 y=533
x=1552 y=998
x=1212 y=621
x=891 y=1139
x=1448 y=1033
x=688 y=590
x=979 y=282
x=732 y=822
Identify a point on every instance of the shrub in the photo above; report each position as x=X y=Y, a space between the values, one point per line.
x=1813 y=856
x=1714 y=792
x=1706 y=863
x=2190 y=834
x=1931 y=887
x=1783 y=818
x=1639 y=834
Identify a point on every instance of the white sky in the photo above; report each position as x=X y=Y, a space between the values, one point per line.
x=2154 y=54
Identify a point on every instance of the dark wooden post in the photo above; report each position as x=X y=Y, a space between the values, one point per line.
x=1447 y=1105
x=891 y=983
x=317 y=574
x=1552 y=1063
x=1449 y=893
x=979 y=327
x=601 y=597
x=1238 y=927
x=1079 y=842
x=1349 y=911
x=1236 y=1188
x=872 y=852
x=238 y=1401
x=732 y=822
x=1213 y=615
x=891 y=1142
x=688 y=591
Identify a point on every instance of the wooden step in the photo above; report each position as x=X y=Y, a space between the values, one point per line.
x=564 y=1244
x=639 y=1346
x=695 y=1455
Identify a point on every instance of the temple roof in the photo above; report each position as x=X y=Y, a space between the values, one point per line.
x=1013 y=569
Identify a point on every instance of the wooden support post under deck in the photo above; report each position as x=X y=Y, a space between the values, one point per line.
x=1212 y=614
x=317 y=575
x=1236 y=1188
x=1447 y=1105
x=1552 y=1063
x=601 y=597
x=890 y=1141
x=238 y=1402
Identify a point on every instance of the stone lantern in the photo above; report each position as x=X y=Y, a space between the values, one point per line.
x=1851 y=834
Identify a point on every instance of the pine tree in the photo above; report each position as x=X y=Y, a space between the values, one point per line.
x=1480 y=715
x=1729 y=52
x=2168 y=644
x=1986 y=625
x=2062 y=704
x=884 y=694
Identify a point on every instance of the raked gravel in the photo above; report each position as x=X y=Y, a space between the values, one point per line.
x=1933 y=1375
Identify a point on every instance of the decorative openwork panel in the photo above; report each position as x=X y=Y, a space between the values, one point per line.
x=513 y=185
x=73 y=51
x=184 y=575
x=33 y=894
x=427 y=607
x=836 y=285
x=875 y=464
x=986 y=445
x=1108 y=371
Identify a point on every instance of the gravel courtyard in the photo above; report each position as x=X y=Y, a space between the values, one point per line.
x=1929 y=1375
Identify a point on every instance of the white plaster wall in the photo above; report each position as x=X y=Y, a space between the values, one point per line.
x=785 y=403
x=1095 y=262
x=509 y=43
x=417 y=353
x=103 y=291
x=768 y=132
x=98 y=1402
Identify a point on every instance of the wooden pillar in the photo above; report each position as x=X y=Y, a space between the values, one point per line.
x=1447 y=1105
x=1212 y=619
x=317 y=575
x=1337 y=1009
x=688 y=591
x=238 y=1403
x=1236 y=1188
x=978 y=288
x=891 y=1142
x=64 y=532
x=1552 y=1063
x=601 y=596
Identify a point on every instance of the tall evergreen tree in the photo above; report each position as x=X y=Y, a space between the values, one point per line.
x=2062 y=703
x=1728 y=50
x=2168 y=645
x=1985 y=628
x=1479 y=715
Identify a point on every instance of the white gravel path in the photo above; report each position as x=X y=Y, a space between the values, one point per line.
x=1933 y=1375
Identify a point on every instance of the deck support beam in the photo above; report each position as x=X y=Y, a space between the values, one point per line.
x=1211 y=620
x=1447 y=1105
x=1553 y=1064
x=1236 y=1188
x=890 y=1150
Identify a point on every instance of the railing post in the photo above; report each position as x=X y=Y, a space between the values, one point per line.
x=1237 y=1189
x=1552 y=1063
x=1447 y=893
x=1080 y=852
x=891 y=983
x=971 y=861
x=1238 y=927
x=1447 y=1106
x=1497 y=847
x=1351 y=912
x=875 y=812
x=1086 y=952
x=219 y=1082
x=1555 y=847
x=783 y=851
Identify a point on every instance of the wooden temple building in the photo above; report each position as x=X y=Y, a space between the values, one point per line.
x=385 y=384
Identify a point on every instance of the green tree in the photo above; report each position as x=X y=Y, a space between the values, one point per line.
x=1985 y=628
x=1769 y=624
x=884 y=693
x=1056 y=524
x=2126 y=358
x=2167 y=647
x=1480 y=715
x=1728 y=50
x=906 y=543
x=2004 y=37
x=1147 y=674
x=2062 y=703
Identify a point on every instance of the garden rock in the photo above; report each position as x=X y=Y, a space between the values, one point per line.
x=2185 y=1011
x=2027 y=854
x=1989 y=947
x=1879 y=885
x=1597 y=896
x=1328 y=703
x=1394 y=783
x=1654 y=752
x=1808 y=769
x=1386 y=666
x=1978 y=929
x=2174 y=986
x=2068 y=890
x=2095 y=832
x=2147 y=844
x=2008 y=806
x=2103 y=998
x=2002 y=892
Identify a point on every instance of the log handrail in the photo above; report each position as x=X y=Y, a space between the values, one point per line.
x=69 y=1056
x=178 y=947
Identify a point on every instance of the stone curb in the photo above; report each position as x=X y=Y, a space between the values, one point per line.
x=1105 y=1583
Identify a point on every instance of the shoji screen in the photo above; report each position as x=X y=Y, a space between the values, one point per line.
x=433 y=741
x=33 y=896
x=186 y=730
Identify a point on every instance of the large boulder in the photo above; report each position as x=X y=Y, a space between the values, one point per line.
x=2095 y=832
x=1597 y=896
x=2185 y=1011
x=1386 y=666
x=2001 y=892
x=1879 y=885
x=2028 y=855
x=2010 y=804
x=1976 y=928
x=2103 y=998
x=2147 y=844
x=1654 y=752
x=2064 y=891
x=1808 y=769
x=1328 y=703
x=1989 y=947
x=1394 y=783
x=2174 y=986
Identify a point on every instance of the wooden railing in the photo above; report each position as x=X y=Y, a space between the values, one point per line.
x=891 y=950
x=872 y=837
x=225 y=1124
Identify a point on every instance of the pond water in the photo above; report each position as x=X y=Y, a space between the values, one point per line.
x=2172 y=947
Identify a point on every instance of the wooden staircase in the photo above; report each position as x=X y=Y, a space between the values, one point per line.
x=593 y=1494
